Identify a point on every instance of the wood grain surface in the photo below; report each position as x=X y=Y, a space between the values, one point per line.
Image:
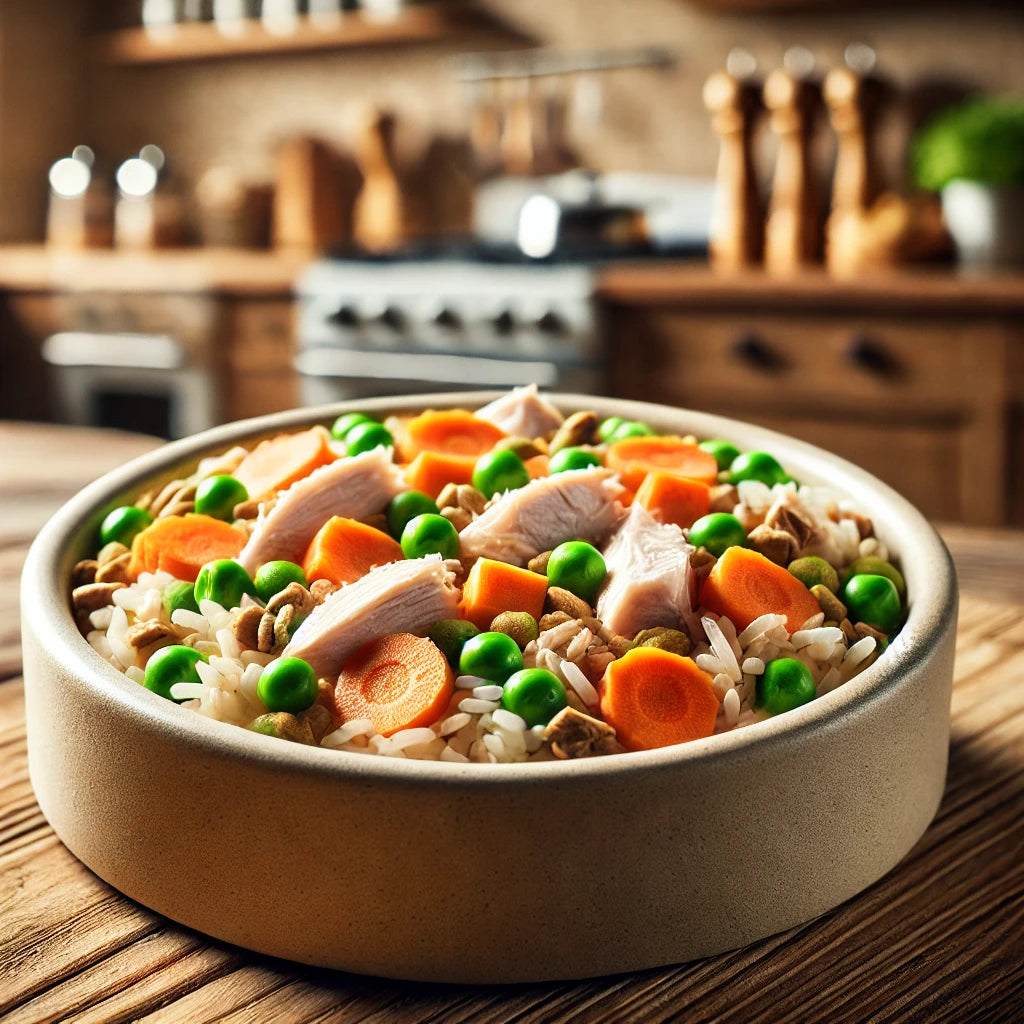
x=938 y=939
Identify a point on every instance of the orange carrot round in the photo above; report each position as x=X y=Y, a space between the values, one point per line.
x=278 y=462
x=430 y=471
x=182 y=545
x=494 y=587
x=653 y=698
x=345 y=550
x=744 y=585
x=451 y=432
x=399 y=682
x=634 y=457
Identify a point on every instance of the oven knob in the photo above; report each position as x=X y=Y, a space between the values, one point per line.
x=393 y=317
x=504 y=322
x=344 y=316
x=447 y=319
x=552 y=323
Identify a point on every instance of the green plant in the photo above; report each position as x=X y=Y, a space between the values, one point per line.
x=981 y=140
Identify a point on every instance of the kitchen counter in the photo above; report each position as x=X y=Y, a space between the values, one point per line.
x=938 y=937
x=35 y=268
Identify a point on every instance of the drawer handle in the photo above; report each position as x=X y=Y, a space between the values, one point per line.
x=750 y=349
x=870 y=356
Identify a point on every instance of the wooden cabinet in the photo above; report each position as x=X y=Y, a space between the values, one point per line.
x=926 y=398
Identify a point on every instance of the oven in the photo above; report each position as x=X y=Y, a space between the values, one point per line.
x=400 y=326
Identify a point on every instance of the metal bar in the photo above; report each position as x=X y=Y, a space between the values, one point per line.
x=483 y=67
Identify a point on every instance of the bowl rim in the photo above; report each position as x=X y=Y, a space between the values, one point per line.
x=45 y=580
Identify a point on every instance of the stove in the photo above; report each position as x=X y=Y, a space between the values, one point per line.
x=470 y=317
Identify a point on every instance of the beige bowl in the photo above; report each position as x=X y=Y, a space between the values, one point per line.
x=489 y=873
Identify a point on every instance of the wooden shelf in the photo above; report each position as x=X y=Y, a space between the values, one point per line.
x=192 y=41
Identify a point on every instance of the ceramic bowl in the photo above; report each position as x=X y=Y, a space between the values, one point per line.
x=489 y=873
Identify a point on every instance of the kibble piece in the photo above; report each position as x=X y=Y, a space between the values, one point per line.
x=828 y=602
x=284 y=726
x=675 y=641
x=560 y=600
x=539 y=563
x=579 y=428
x=521 y=626
x=571 y=733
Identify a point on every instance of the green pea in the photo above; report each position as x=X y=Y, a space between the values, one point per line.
x=430 y=534
x=757 y=466
x=499 y=471
x=785 y=684
x=631 y=428
x=346 y=421
x=811 y=571
x=406 y=506
x=607 y=427
x=718 y=531
x=723 y=451
x=493 y=656
x=876 y=566
x=179 y=594
x=450 y=636
x=217 y=496
x=288 y=684
x=123 y=523
x=874 y=600
x=170 y=665
x=534 y=694
x=273 y=577
x=572 y=458
x=224 y=581
x=578 y=567
x=364 y=437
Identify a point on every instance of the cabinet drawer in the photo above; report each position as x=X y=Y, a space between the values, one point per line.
x=819 y=362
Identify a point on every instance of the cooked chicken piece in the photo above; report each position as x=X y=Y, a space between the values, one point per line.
x=355 y=487
x=401 y=597
x=580 y=504
x=522 y=413
x=650 y=581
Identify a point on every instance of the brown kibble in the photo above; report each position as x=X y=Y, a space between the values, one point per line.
x=265 y=637
x=539 y=563
x=724 y=498
x=115 y=570
x=449 y=496
x=321 y=589
x=469 y=498
x=522 y=446
x=829 y=603
x=862 y=629
x=458 y=517
x=150 y=631
x=110 y=551
x=294 y=594
x=246 y=627
x=571 y=733
x=318 y=718
x=552 y=619
x=619 y=645
x=787 y=520
x=849 y=632
x=282 y=623
x=93 y=596
x=84 y=573
x=248 y=509
x=577 y=429
x=777 y=546
x=675 y=641
x=521 y=626
x=701 y=562
x=560 y=600
x=284 y=726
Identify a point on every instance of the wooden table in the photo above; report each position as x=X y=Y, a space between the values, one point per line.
x=939 y=938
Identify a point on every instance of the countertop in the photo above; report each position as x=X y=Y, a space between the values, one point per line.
x=939 y=938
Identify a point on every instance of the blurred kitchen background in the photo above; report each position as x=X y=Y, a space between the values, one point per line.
x=805 y=213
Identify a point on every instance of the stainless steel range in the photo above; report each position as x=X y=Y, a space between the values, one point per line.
x=374 y=327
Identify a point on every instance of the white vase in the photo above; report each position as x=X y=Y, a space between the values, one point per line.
x=986 y=222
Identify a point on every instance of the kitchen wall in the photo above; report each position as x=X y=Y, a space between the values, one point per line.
x=232 y=111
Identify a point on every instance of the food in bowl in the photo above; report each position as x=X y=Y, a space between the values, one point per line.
x=492 y=585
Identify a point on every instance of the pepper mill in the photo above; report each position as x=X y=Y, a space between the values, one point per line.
x=792 y=230
x=736 y=223
x=852 y=96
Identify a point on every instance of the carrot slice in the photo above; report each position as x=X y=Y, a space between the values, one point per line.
x=345 y=550
x=450 y=431
x=537 y=466
x=653 y=698
x=744 y=584
x=398 y=682
x=674 y=499
x=430 y=471
x=634 y=457
x=278 y=462
x=182 y=545
x=493 y=587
